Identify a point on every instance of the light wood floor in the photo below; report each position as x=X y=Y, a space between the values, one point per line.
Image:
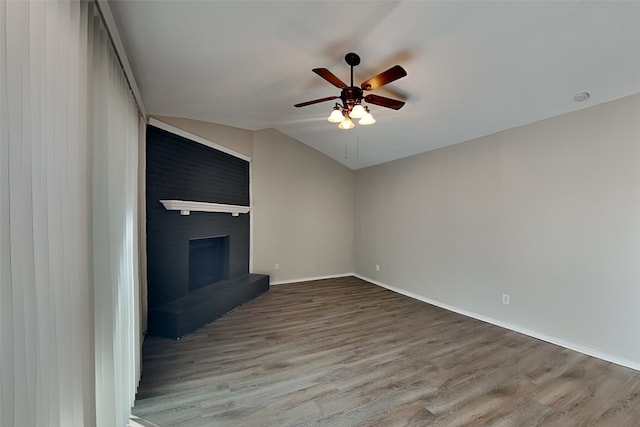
x=343 y=352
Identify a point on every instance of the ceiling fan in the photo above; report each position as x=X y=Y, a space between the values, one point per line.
x=352 y=96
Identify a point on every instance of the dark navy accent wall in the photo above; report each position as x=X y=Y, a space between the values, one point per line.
x=181 y=169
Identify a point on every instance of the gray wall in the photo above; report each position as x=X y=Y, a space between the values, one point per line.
x=548 y=212
x=303 y=210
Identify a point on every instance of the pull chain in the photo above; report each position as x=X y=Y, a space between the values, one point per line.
x=346 y=146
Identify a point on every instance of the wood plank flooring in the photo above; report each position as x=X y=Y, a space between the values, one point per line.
x=344 y=352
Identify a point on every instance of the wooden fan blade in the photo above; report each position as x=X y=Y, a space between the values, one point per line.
x=330 y=77
x=393 y=73
x=384 y=102
x=316 y=101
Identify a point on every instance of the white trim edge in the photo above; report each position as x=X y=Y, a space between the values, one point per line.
x=309 y=279
x=185 y=134
x=121 y=53
x=553 y=340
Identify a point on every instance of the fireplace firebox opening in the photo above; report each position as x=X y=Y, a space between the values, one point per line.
x=208 y=261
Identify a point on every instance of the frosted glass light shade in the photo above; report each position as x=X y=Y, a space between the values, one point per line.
x=346 y=124
x=336 y=116
x=357 y=112
x=367 y=119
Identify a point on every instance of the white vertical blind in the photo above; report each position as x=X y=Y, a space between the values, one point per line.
x=69 y=135
x=115 y=160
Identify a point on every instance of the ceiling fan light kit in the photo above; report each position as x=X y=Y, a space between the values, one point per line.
x=352 y=96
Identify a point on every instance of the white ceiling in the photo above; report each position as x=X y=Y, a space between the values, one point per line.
x=474 y=67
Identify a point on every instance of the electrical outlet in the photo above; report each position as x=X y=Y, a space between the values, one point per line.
x=276 y=267
x=377 y=267
x=506 y=299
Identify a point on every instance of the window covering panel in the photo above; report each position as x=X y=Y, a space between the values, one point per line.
x=69 y=140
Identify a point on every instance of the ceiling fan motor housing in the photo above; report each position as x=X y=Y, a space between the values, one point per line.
x=351 y=96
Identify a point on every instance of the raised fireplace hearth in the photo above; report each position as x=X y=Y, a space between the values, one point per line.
x=184 y=315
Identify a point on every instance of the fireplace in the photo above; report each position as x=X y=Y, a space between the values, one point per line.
x=198 y=234
x=208 y=261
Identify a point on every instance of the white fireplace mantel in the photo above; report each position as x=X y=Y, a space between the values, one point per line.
x=185 y=207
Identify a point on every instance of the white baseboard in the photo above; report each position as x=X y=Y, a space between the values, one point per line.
x=534 y=334
x=309 y=279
